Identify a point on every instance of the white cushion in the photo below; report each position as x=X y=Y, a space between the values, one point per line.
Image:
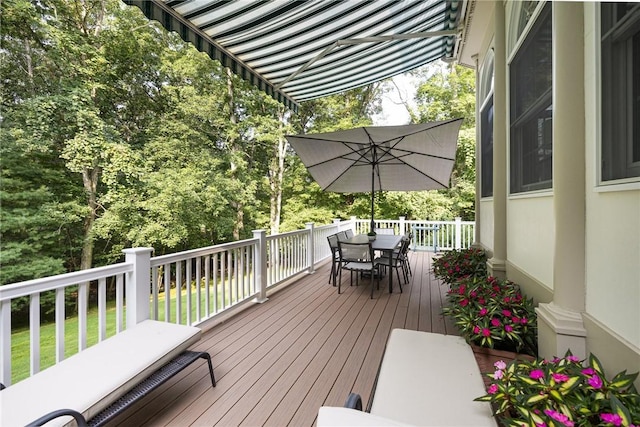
x=92 y=379
x=430 y=379
x=329 y=416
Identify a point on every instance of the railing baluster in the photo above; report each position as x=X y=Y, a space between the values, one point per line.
x=119 y=303
x=34 y=333
x=102 y=309
x=198 y=288
x=167 y=292
x=207 y=281
x=83 y=295
x=216 y=270
x=154 y=292
x=60 y=320
x=187 y=286
x=179 y=292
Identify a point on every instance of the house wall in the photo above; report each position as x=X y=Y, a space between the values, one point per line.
x=486 y=224
x=611 y=287
x=530 y=235
x=612 y=233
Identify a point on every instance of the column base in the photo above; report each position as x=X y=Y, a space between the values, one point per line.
x=497 y=268
x=560 y=330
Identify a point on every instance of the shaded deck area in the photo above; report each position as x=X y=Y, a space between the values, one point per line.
x=276 y=363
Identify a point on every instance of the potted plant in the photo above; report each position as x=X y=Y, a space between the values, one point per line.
x=562 y=392
x=371 y=235
x=493 y=313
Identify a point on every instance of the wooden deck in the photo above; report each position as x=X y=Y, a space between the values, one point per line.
x=276 y=363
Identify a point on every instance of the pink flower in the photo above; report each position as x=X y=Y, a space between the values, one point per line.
x=508 y=328
x=560 y=378
x=558 y=416
x=486 y=332
x=495 y=322
x=573 y=359
x=524 y=320
x=515 y=319
x=614 y=419
x=483 y=311
x=595 y=382
x=507 y=299
x=536 y=374
x=476 y=329
x=500 y=364
x=506 y=313
x=588 y=371
x=464 y=302
x=493 y=389
x=473 y=294
x=498 y=374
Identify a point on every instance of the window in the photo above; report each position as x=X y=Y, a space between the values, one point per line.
x=620 y=32
x=486 y=148
x=486 y=125
x=531 y=148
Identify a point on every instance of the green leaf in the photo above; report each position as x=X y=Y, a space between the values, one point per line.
x=536 y=398
x=618 y=407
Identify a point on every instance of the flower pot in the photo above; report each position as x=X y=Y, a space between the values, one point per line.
x=371 y=238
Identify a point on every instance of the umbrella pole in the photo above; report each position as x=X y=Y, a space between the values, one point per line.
x=373 y=194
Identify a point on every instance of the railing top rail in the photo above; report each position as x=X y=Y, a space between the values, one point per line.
x=288 y=233
x=8 y=292
x=209 y=250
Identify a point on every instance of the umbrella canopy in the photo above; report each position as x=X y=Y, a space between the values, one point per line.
x=402 y=158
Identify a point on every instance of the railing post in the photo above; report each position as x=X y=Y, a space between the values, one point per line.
x=260 y=266
x=402 y=229
x=138 y=285
x=336 y=222
x=311 y=251
x=458 y=233
x=5 y=342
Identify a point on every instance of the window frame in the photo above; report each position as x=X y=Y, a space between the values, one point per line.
x=541 y=107
x=618 y=127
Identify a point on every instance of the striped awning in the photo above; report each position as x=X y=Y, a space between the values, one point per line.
x=301 y=50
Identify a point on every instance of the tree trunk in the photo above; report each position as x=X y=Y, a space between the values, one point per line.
x=90 y=179
x=275 y=181
x=238 y=205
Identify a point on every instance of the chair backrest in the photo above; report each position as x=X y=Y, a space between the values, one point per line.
x=342 y=235
x=355 y=252
x=385 y=231
x=348 y=233
x=333 y=242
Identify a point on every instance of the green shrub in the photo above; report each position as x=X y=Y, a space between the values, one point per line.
x=457 y=264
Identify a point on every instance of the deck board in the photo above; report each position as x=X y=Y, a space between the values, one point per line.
x=276 y=363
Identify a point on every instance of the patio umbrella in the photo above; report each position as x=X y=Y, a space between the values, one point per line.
x=401 y=158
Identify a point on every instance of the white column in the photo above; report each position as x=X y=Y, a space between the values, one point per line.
x=138 y=285
x=497 y=264
x=560 y=325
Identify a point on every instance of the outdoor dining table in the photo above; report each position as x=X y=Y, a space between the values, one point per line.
x=383 y=243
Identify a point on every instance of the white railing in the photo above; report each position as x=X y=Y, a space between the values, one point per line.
x=426 y=235
x=189 y=287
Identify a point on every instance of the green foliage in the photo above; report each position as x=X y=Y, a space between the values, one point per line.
x=460 y=263
x=493 y=313
x=562 y=392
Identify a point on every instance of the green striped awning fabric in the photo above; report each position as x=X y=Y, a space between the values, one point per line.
x=301 y=50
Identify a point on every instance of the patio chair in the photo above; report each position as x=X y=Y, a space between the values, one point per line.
x=335 y=257
x=348 y=233
x=357 y=257
x=398 y=263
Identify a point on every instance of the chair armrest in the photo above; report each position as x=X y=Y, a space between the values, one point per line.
x=354 y=401
x=80 y=420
